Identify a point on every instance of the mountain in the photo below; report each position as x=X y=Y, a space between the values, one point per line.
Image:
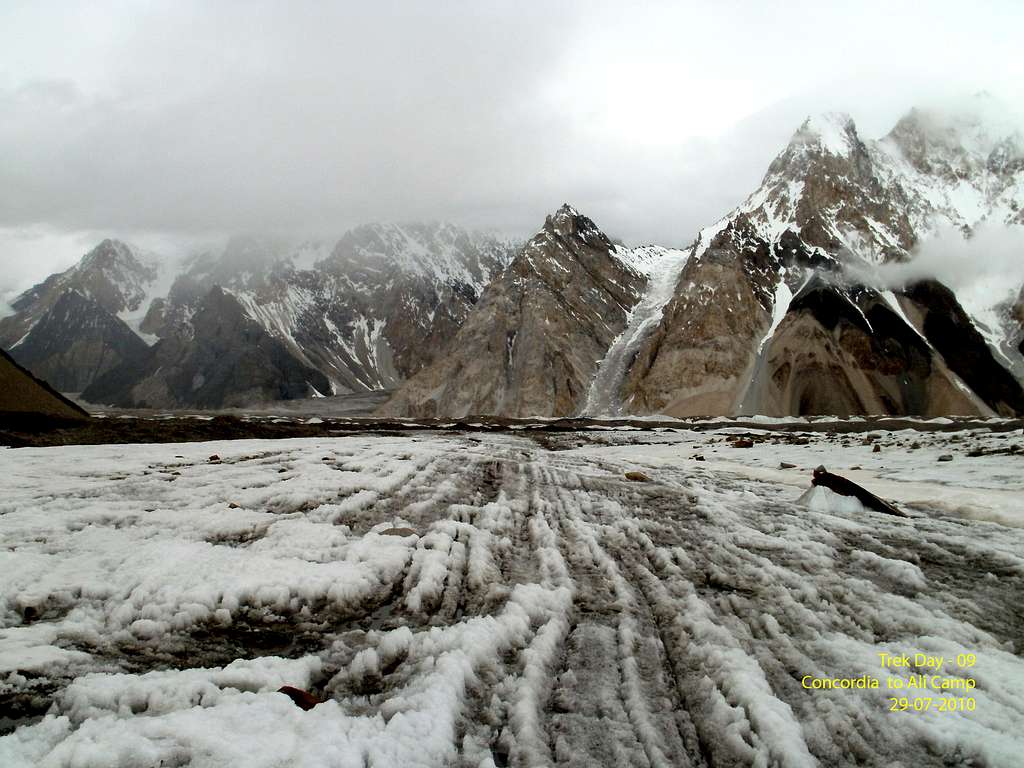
x=75 y=325
x=851 y=351
x=533 y=342
x=22 y=394
x=75 y=341
x=116 y=277
x=230 y=360
x=362 y=314
x=780 y=287
x=786 y=305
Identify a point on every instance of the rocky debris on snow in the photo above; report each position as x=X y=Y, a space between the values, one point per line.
x=743 y=442
x=303 y=699
x=786 y=465
x=401 y=532
x=946 y=457
x=543 y=613
x=877 y=448
x=637 y=477
x=844 y=487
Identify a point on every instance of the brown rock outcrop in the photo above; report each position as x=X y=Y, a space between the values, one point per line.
x=532 y=344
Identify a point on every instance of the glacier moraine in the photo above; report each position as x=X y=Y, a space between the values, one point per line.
x=493 y=599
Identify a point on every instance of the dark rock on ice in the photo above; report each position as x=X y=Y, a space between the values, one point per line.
x=303 y=699
x=844 y=487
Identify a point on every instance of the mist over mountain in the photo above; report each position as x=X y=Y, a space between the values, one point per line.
x=785 y=306
x=156 y=129
x=827 y=290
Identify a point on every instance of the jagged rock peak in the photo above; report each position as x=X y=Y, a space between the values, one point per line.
x=440 y=252
x=963 y=136
x=569 y=222
x=1007 y=157
x=112 y=253
x=825 y=145
x=831 y=132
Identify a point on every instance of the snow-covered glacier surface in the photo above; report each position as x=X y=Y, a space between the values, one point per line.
x=501 y=599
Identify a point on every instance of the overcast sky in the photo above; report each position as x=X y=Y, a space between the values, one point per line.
x=168 y=122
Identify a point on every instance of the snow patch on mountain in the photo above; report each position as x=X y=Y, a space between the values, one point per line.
x=831 y=132
x=662 y=267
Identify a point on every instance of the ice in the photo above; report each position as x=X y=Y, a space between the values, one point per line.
x=604 y=395
x=822 y=499
x=533 y=606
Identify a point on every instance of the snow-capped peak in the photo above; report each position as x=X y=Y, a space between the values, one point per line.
x=116 y=255
x=442 y=253
x=831 y=132
x=566 y=211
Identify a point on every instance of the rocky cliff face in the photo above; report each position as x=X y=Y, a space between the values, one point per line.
x=533 y=343
x=847 y=351
x=114 y=276
x=953 y=335
x=76 y=341
x=230 y=360
x=699 y=357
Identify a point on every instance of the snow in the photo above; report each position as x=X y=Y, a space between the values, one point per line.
x=647 y=260
x=164 y=271
x=663 y=271
x=544 y=609
x=780 y=306
x=829 y=131
x=822 y=499
x=307 y=255
x=894 y=304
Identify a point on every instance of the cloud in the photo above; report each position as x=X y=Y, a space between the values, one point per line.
x=983 y=269
x=190 y=119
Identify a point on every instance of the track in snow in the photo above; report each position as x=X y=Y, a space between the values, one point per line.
x=604 y=395
x=545 y=612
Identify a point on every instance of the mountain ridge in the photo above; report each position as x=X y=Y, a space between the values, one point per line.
x=569 y=323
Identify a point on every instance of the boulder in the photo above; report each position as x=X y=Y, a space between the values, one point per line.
x=302 y=699
x=844 y=487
